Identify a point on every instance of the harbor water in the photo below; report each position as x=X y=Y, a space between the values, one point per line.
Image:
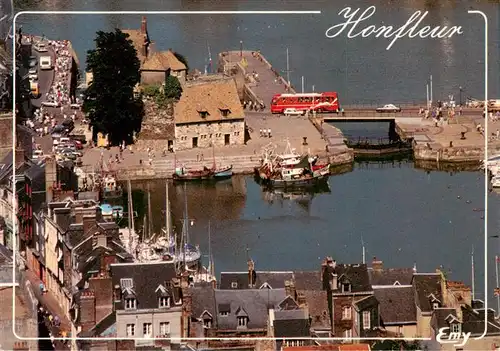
x=402 y=214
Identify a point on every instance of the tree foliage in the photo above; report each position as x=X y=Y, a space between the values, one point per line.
x=109 y=100
x=181 y=58
x=173 y=88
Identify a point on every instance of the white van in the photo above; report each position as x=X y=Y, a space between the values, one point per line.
x=37 y=154
x=45 y=62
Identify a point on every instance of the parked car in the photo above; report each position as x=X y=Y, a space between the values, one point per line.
x=50 y=104
x=37 y=154
x=32 y=70
x=293 y=112
x=389 y=108
x=33 y=61
x=78 y=144
x=33 y=77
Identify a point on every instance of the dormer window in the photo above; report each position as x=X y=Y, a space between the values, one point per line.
x=130 y=303
x=225 y=112
x=163 y=302
x=435 y=305
x=224 y=313
x=203 y=113
x=242 y=321
x=224 y=310
x=346 y=287
x=234 y=285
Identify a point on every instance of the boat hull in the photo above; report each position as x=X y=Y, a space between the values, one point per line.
x=298 y=183
x=224 y=173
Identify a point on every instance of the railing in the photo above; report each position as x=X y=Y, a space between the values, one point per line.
x=375 y=143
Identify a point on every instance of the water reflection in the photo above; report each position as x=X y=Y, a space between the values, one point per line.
x=301 y=197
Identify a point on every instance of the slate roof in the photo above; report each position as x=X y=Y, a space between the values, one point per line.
x=255 y=302
x=211 y=97
x=355 y=274
x=389 y=276
x=365 y=302
x=291 y=328
x=396 y=305
x=105 y=328
x=439 y=316
x=146 y=278
x=308 y=280
x=424 y=285
x=317 y=305
x=275 y=279
x=36 y=173
x=203 y=299
x=6 y=166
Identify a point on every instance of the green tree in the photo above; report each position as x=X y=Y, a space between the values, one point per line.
x=109 y=100
x=173 y=88
x=182 y=59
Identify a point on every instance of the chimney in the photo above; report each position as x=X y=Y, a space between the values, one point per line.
x=88 y=224
x=288 y=291
x=415 y=267
x=293 y=291
x=144 y=25
x=444 y=290
x=117 y=293
x=333 y=282
x=144 y=47
x=377 y=265
x=251 y=273
x=103 y=294
x=301 y=299
x=20 y=346
x=50 y=177
x=87 y=310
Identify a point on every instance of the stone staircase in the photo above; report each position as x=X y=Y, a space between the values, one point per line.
x=241 y=164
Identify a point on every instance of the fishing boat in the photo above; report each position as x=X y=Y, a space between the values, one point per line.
x=117 y=211
x=182 y=174
x=495 y=181
x=109 y=188
x=223 y=173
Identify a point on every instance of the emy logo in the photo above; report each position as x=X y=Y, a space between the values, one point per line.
x=455 y=338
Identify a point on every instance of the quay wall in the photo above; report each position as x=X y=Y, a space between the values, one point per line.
x=461 y=154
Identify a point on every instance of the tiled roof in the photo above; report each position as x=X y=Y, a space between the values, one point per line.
x=163 y=60
x=396 y=304
x=210 y=97
x=146 y=278
x=291 y=328
x=137 y=39
x=308 y=280
x=425 y=285
x=276 y=280
x=389 y=276
x=346 y=347
x=256 y=304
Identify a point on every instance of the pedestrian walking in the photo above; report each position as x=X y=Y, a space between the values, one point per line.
x=202 y=157
x=197 y=157
x=269 y=133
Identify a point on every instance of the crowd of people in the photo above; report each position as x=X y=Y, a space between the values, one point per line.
x=60 y=89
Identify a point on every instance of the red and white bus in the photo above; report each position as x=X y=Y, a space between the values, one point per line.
x=319 y=102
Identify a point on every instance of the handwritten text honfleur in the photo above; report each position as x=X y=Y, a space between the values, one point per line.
x=410 y=29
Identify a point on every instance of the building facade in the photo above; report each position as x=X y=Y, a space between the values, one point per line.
x=209 y=113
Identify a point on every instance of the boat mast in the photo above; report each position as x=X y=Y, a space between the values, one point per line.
x=167 y=212
x=213 y=155
x=186 y=219
x=149 y=213
x=209 y=251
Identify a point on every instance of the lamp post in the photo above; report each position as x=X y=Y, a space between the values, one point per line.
x=241 y=48
x=461 y=89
